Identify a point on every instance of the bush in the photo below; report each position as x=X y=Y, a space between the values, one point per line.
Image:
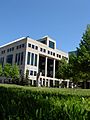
x=29 y=103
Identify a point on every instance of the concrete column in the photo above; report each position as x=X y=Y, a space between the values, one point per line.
x=67 y=83
x=53 y=83
x=46 y=67
x=54 y=68
x=48 y=83
x=38 y=63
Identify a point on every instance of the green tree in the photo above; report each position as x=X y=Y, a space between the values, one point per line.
x=62 y=70
x=83 y=56
x=1 y=70
x=7 y=70
x=15 y=74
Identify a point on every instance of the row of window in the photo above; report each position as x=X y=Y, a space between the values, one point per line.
x=33 y=46
x=43 y=50
x=32 y=59
x=2 y=52
x=33 y=73
x=59 y=56
x=19 y=58
x=20 y=46
x=51 y=53
x=10 y=49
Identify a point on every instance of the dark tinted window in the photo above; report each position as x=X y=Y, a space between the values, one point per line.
x=51 y=44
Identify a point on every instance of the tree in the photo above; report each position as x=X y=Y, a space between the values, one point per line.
x=83 y=56
x=61 y=72
x=15 y=74
x=7 y=70
x=1 y=70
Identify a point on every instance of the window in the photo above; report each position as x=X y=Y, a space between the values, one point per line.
x=7 y=50
x=35 y=73
x=51 y=44
x=53 y=54
x=17 y=47
x=59 y=56
x=31 y=72
x=48 y=52
x=36 y=47
x=29 y=45
x=35 y=59
x=28 y=58
x=12 y=48
x=18 y=59
x=33 y=46
x=9 y=59
x=23 y=45
x=41 y=49
x=21 y=58
x=32 y=58
x=44 y=50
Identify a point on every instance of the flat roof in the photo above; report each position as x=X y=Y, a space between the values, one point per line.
x=12 y=42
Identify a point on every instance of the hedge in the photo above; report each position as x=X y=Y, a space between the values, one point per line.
x=32 y=103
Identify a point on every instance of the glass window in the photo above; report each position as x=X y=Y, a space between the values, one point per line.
x=33 y=46
x=28 y=58
x=48 y=52
x=23 y=45
x=36 y=47
x=9 y=59
x=32 y=58
x=35 y=59
x=35 y=73
x=21 y=58
x=53 y=54
x=44 y=50
x=59 y=56
x=29 y=45
x=31 y=72
x=41 y=49
x=16 y=58
x=12 y=48
x=17 y=47
x=51 y=44
x=7 y=50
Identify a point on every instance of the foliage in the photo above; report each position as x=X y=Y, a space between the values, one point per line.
x=29 y=103
x=62 y=69
x=83 y=55
x=1 y=70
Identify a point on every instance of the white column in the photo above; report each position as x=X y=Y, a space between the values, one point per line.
x=48 y=83
x=67 y=83
x=38 y=63
x=54 y=68
x=46 y=67
x=53 y=83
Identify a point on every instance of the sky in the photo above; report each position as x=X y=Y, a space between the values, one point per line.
x=63 y=20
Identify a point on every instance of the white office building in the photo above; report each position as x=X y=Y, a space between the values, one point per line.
x=40 y=57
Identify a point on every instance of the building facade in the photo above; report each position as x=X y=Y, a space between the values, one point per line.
x=39 y=57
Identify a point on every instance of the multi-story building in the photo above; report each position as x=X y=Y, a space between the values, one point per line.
x=37 y=56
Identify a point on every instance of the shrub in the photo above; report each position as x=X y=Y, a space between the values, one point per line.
x=29 y=103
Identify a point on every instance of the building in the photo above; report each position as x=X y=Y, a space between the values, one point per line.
x=40 y=57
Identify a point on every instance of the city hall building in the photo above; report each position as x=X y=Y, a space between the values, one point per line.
x=39 y=57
